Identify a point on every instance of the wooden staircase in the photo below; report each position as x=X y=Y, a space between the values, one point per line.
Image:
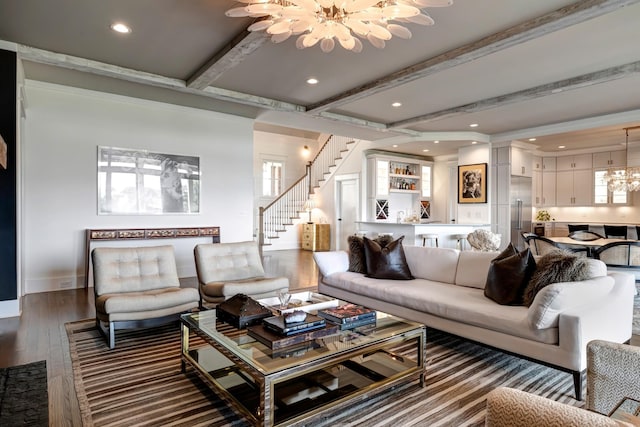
x=277 y=216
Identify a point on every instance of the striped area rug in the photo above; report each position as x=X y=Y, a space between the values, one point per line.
x=139 y=383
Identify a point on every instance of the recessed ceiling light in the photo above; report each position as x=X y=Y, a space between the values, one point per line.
x=425 y=150
x=556 y=90
x=312 y=81
x=436 y=142
x=474 y=142
x=395 y=145
x=121 y=28
x=562 y=146
x=532 y=139
x=473 y=125
x=396 y=104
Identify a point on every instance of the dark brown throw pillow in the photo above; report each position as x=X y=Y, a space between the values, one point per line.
x=386 y=262
x=553 y=267
x=509 y=274
x=357 y=262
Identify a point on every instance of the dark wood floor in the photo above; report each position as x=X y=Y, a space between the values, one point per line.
x=39 y=334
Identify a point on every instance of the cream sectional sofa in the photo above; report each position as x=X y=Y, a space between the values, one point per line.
x=448 y=294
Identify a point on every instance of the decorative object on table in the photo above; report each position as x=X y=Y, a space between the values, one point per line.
x=305 y=301
x=284 y=297
x=176 y=191
x=543 y=215
x=484 y=240
x=241 y=311
x=472 y=183
x=325 y=22
x=348 y=314
x=276 y=341
x=279 y=325
x=295 y=317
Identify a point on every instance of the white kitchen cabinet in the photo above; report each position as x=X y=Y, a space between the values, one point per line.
x=548 y=188
x=396 y=184
x=536 y=187
x=580 y=161
x=548 y=164
x=520 y=162
x=609 y=159
x=573 y=188
x=536 y=163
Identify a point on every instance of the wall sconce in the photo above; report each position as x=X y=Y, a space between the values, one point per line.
x=305 y=151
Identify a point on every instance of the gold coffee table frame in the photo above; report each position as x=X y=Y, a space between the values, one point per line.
x=295 y=385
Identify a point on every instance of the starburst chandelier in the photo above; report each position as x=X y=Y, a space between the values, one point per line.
x=627 y=179
x=325 y=21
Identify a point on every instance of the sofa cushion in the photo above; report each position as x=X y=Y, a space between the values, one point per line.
x=473 y=267
x=553 y=267
x=156 y=299
x=558 y=297
x=386 y=262
x=508 y=276
x=357 y=260
x=438 y=264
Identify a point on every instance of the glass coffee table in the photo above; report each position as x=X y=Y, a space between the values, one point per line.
x=295 y=385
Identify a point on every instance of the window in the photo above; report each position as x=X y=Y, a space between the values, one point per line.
x=272 y=173
x=601 y=193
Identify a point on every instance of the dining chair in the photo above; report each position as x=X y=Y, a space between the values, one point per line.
x=615 y=231
x=578 y=227
x=541 y=245
x=623 y=255
x=585 y=235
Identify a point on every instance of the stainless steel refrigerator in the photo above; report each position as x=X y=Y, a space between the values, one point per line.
x=520 y=196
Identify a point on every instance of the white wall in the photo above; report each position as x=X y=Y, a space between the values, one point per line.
x=63 y=128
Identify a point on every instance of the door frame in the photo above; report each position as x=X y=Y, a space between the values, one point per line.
x=338 y=205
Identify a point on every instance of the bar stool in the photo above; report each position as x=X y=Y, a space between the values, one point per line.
x=385 y=234
x=361 y=233
x=460 y=239
x=429 y=236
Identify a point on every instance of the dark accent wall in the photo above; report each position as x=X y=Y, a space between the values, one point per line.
x=8 y=176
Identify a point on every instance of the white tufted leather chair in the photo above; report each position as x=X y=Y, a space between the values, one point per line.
x=227 y=269
x=136 y=287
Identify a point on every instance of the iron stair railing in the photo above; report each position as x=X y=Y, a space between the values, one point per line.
x=280 y=213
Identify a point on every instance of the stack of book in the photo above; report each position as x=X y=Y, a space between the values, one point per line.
x=278 y=325
x=349 y=316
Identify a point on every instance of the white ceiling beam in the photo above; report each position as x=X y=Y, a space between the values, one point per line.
x=102 y=69
x=585 y=80
x=562 y=18
x=232 y=54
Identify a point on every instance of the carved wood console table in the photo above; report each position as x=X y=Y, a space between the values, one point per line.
x=126 y=234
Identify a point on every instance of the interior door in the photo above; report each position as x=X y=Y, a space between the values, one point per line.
x=347 y=210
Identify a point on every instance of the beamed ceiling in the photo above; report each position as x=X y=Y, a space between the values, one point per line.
x=563 y=71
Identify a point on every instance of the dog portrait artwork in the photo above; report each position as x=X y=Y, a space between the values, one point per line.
x=472 y=186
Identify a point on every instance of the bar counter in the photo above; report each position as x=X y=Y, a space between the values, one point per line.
x=411 y=231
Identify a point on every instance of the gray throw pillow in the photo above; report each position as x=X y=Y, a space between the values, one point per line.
x=553 y=267
x=387 y=262
x=357 y=261
x=508 y=276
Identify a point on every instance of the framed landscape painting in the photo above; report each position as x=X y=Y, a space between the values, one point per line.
x=472 y=183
